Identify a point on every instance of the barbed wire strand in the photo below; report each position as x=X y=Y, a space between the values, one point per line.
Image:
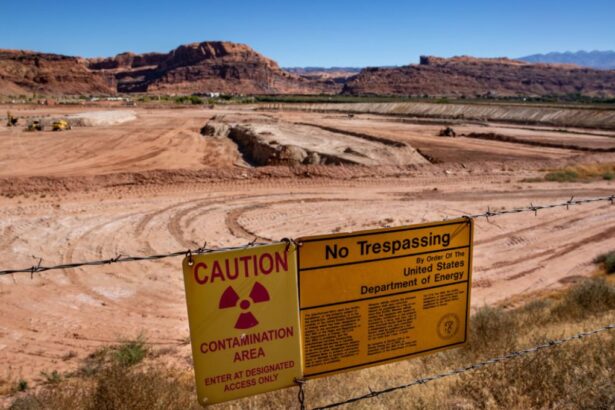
x=508 y=356
x=121 y=259
x=535 y=208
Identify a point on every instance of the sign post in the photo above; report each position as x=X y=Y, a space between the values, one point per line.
x=377 y=296
x=244 y=323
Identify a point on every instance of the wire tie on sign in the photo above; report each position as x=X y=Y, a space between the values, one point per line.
x=288 y=241
x=116 y=259
x=252 y=242
x=301 y=394
x=189 y=256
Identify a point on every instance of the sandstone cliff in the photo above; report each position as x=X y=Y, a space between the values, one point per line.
x=25 y=72
x=206 y=67
x=471 y=77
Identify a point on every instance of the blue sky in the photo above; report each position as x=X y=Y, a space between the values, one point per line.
x=313 y=32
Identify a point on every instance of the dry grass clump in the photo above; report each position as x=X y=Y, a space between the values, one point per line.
x=579 y=375
x=582 y=173
x=116 y=387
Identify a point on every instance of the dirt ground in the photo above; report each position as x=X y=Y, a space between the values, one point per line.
x=155 y=185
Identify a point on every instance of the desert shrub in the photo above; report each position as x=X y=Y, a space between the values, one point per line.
x=492 y=329
x=562 y=176
x=589 y=297
x=189 y=99
x=116 y=387
x=582 y=172
x=607 y=260
x=53 y=377
x=152 y=388
x=126 y=354
x=130 y=352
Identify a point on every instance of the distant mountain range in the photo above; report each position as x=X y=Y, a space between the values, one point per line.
x=603 y=60
x=231 y=68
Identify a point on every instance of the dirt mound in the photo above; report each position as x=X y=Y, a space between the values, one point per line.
x=216 y=66
x=265 y=141
x=473 y=77
x=23 y=72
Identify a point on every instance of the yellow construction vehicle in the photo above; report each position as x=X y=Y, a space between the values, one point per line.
x=60 y=125
x=10 y=120
x=35 y=125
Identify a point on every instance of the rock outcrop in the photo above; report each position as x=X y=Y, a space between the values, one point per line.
x=25 y=72
x=472 y=77
x=207 y=67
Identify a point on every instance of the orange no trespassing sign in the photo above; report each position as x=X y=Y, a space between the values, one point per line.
x=382 y=295
x=244 y=323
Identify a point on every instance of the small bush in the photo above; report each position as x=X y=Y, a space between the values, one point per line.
x=51 y=378
x=22 y=385
x=608 y=176
x=562 y=176
x=589 y=297
x=131 y=352
x=192 y=99
x=492 y=329
x=607 y=260
x=116 y=387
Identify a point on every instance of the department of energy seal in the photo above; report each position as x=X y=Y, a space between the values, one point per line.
x=448 y=326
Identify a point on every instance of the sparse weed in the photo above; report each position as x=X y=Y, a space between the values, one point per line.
x=583 y=172
x=562 y=176
x=131 y=352
x=52 y=378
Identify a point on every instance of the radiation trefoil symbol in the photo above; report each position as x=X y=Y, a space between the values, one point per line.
x=230 y=299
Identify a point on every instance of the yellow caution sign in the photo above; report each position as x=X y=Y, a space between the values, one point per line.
x=244 y=321
x=382 y=295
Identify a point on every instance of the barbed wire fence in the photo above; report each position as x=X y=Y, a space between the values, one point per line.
x=372 y=393
x=204 y=249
